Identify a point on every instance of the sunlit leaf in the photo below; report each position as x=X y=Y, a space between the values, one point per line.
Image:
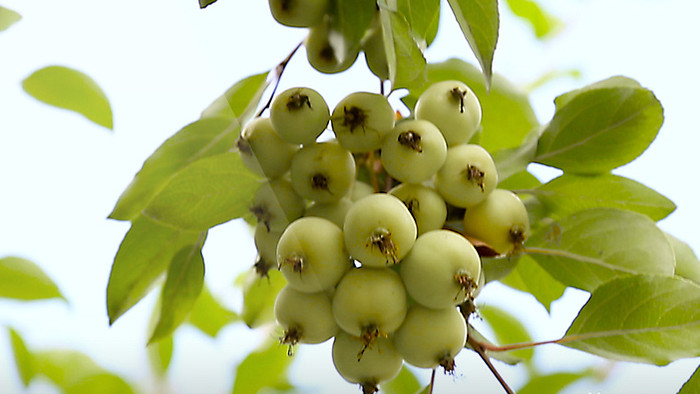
x=506 y=328
x=205 y=3
x=543 y=23
x=160 y=354
x=8 y=18
x=22 y=279
x=600 y=127
x=240 y=100
x=479 y=21
x=642 y=318
x=143 y=256
x=70 y=89
x=529 y=277
x=200 y=139
x=423 y=17
x=510 y=161
x=351 y=18
x=692 y=386
x=23 y=358
x=207 y=192
x=591 y=247
x=259 y=295
x=404 y=382
x=553 y=383
x=208 y=315
x=404 y=57
x=266 y=367
x=76 y=373
x=182 y=287
x=687 y=263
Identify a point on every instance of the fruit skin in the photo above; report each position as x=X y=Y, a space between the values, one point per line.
x=431 y=270
x=299 y=13
x=311 y=254
x=425 y=205
x=379 y=230
x=413 y=151
x=431 y=337
x=276 y=204
x=306 y=315
x=453 y=107
x=266 y=245
x=379 y=363
x=299 y=115
x=326 y=56
x=501 y=221
x=369 y=298
x=263 y=151
x=361 y=120
x=467 y=177
x=323 y=172
x=333 y=211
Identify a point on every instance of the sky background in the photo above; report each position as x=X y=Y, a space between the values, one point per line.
x=161 y=62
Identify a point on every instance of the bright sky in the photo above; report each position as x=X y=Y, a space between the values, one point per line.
x=162 y=62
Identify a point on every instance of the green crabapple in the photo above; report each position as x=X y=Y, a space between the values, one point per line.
x=453 y=107
x=304 y=317
x=299 y=13
x=378 y=363
x=426 y=206
x=467 y=177
x=413 y=151
x=323 y=171
x=299 y=115
x=263 y=151
x=500 y=221
x=361 y=120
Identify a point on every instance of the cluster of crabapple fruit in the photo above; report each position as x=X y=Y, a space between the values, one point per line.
x=378 y=269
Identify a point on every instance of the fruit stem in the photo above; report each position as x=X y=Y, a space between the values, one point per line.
x=277 y=76
x=432 y=381
x=480 y=349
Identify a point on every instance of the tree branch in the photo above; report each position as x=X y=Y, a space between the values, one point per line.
x=278 y=71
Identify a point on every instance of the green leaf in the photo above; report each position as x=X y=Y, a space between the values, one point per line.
x=240 y=100
x=266 y=367
x=8 y=18
x=160 y=354
x=182 y=287
x=692 y=385
x=568 y=193
x=404 y=382
x=543 y=23
x=529 y=277
x=511 y=161
x=553 y=383
x=207 y=192
x=600 y=127
x=479 y=21
x=208 y=315
x=76 y=373
x=507 y=329
x=425 y=390
x=498 y=131
x=352 y=18
x=204 y=3
x=687 y=263
x=404 y=57
x=519 y=181
x=592 y=247
x=70 y=89
x=423 y=17
x=259 y=295
x=23 y=358
x=642 y=318
x=143 y=256
x=506 y=357
x=200 y=139
x=22 y=279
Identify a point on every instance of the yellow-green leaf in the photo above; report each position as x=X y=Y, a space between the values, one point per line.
x=208 y=315
x=264 y=368
x=22 y=279
x=8 y=18
x=23 y=358
x=240 y=100
x=76 y=373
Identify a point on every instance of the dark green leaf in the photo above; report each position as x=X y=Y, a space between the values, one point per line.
x=543 y=23
x=70 y=89
x=23 y=358
x=498 y=131
x=352 y=18
x=182 y=287
x=567 y=194
x=404 y=382
x=203 y=138
x=207 y=192
x=259 y=295
x=423 y=17
x=160 y=354
x=263 y=368
x=479 y=21
x=205 y=3
x=553 y=383
x=208 y=315
x=692 y=386
x=642 y=318
x=21 y=279
x=8 y=18
x=591 y=247
x=143 y=256
x=240 y=100
x=529 y=277
x=404 y=57
x=600 y=127
x=507 y=329
x=76 y=373
x=687 y=263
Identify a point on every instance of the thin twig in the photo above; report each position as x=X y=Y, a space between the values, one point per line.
x=482 y=353
x=278 y=71
x=432 y=381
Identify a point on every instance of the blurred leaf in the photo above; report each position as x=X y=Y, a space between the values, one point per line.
x=529 y=277
x=205 y=3
x=208 y=315
x=207 y=192
x=423 y=17
x=352 y=18
x=404 y=57
x=240 y=100
x=8 y=18
x=506 y=357
x=568 y=193
x=510 y=161
x=182 y=287
x=23 y=358
x=70 y=89
x=591 y=247
x=553 y=383
x=519 y=181
x=404 y=382
x=692 y=386
x=266 y=367
x=507 y=329
x=259 y=295
x=22 y=279
x=76 y=373
x=600 y=127
x=200 y=139
x=642 y=318
x=143 y=256
x=551 y=76
x=160 y=354
x=687 y=263
x=426 y=390
x=479 y=21
x=498 y=131
x=543 y=23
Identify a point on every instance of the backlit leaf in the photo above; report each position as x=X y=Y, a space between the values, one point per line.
x=687 y=263
x=208 y=315
x=240 y=100
x=506 y=357
x=529 y=277
x=8 y=18
x=553 y=383
x=352 y=18
x=423 y=17
x=76 y=373
x=259 y=295
x=692 y=385
x=266 y=367
x=507 y=329
x=404 y=57
x=543 y=23
x=21 y=279
x=23 y=358
x=404 y=382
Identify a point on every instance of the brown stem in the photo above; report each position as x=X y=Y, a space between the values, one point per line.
x=479 y=349
x=278 y=71
x=525 y=345
x=432 y=381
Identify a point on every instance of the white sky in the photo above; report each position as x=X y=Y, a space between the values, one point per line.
x=162 y=62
